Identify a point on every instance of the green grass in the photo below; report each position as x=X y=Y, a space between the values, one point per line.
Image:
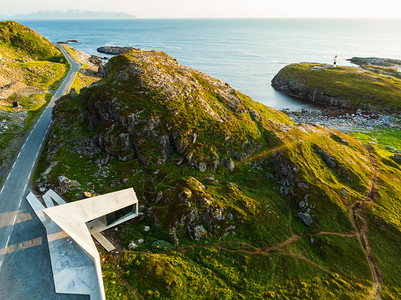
x=20 y=41
x=41 y=74
x=387 y=205
x=83 y=81
x=382 y=138
x=342 y=255
x=212 y=273
x=113 y=287
x=385 y=241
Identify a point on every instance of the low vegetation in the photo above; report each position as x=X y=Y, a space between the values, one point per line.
x=31 y=68
x=237 y=201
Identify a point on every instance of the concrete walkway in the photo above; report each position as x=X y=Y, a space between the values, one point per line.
x=73 y=271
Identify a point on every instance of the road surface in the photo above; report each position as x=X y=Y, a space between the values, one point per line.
x=25 y=270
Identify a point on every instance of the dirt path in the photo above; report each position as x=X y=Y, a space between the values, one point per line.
x=350 y=234
x=356 y=214
x=291 y=240
x=279 y=246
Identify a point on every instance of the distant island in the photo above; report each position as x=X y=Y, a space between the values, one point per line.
x=114 y=50
x=70 y=15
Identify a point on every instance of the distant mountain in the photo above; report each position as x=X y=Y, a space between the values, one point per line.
x=73 y=14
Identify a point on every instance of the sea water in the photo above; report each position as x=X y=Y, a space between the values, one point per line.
x=246 y=53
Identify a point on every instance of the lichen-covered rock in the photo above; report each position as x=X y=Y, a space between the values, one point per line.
x=306 y=217
x=199 y=232
x=151 y=107
x=329 y=159
x=132 y=245
x=397 y=157
x=65 y=183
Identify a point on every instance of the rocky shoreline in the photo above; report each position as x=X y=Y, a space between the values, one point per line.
x=345 y=120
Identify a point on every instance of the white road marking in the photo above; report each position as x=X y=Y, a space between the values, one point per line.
x=8 y=176
x=15 y=219
x=2 y=189
x=18 y=155
x=19 y=204
x=13 y=165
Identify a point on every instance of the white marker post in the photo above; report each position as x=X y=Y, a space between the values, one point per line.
x=335 y=61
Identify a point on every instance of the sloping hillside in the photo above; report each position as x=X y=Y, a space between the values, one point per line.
x=240 y=201
x=30 y=69
x=30 y=66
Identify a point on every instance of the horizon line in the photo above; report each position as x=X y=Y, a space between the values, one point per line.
x=214 y=18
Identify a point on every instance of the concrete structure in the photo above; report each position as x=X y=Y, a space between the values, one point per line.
x=74 y=258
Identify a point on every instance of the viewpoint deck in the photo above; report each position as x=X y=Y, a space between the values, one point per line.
x=74 y=258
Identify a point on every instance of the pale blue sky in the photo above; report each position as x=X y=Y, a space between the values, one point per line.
x=217 y=8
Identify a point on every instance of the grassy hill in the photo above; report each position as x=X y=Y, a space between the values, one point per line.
x=19 y=41
x=241 y=202
x=375 y=88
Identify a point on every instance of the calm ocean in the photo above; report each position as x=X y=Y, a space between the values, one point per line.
x=246 y=53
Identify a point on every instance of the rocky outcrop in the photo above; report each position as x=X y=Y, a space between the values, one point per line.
x=114 y=50
x=67 y=42
x=197 y=213
x=377 y=61
x=66 y=183
x=328 y=159
x=297 y=88
x=163 y=108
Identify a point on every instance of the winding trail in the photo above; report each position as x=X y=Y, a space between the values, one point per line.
x=356 y=213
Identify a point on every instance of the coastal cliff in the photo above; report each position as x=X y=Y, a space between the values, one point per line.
x=373 y=88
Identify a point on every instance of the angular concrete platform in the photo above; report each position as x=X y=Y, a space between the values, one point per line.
x=74 y=258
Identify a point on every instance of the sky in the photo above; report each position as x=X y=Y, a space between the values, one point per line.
x=217 y=8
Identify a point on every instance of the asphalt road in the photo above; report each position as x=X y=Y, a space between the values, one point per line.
x=25 y=270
